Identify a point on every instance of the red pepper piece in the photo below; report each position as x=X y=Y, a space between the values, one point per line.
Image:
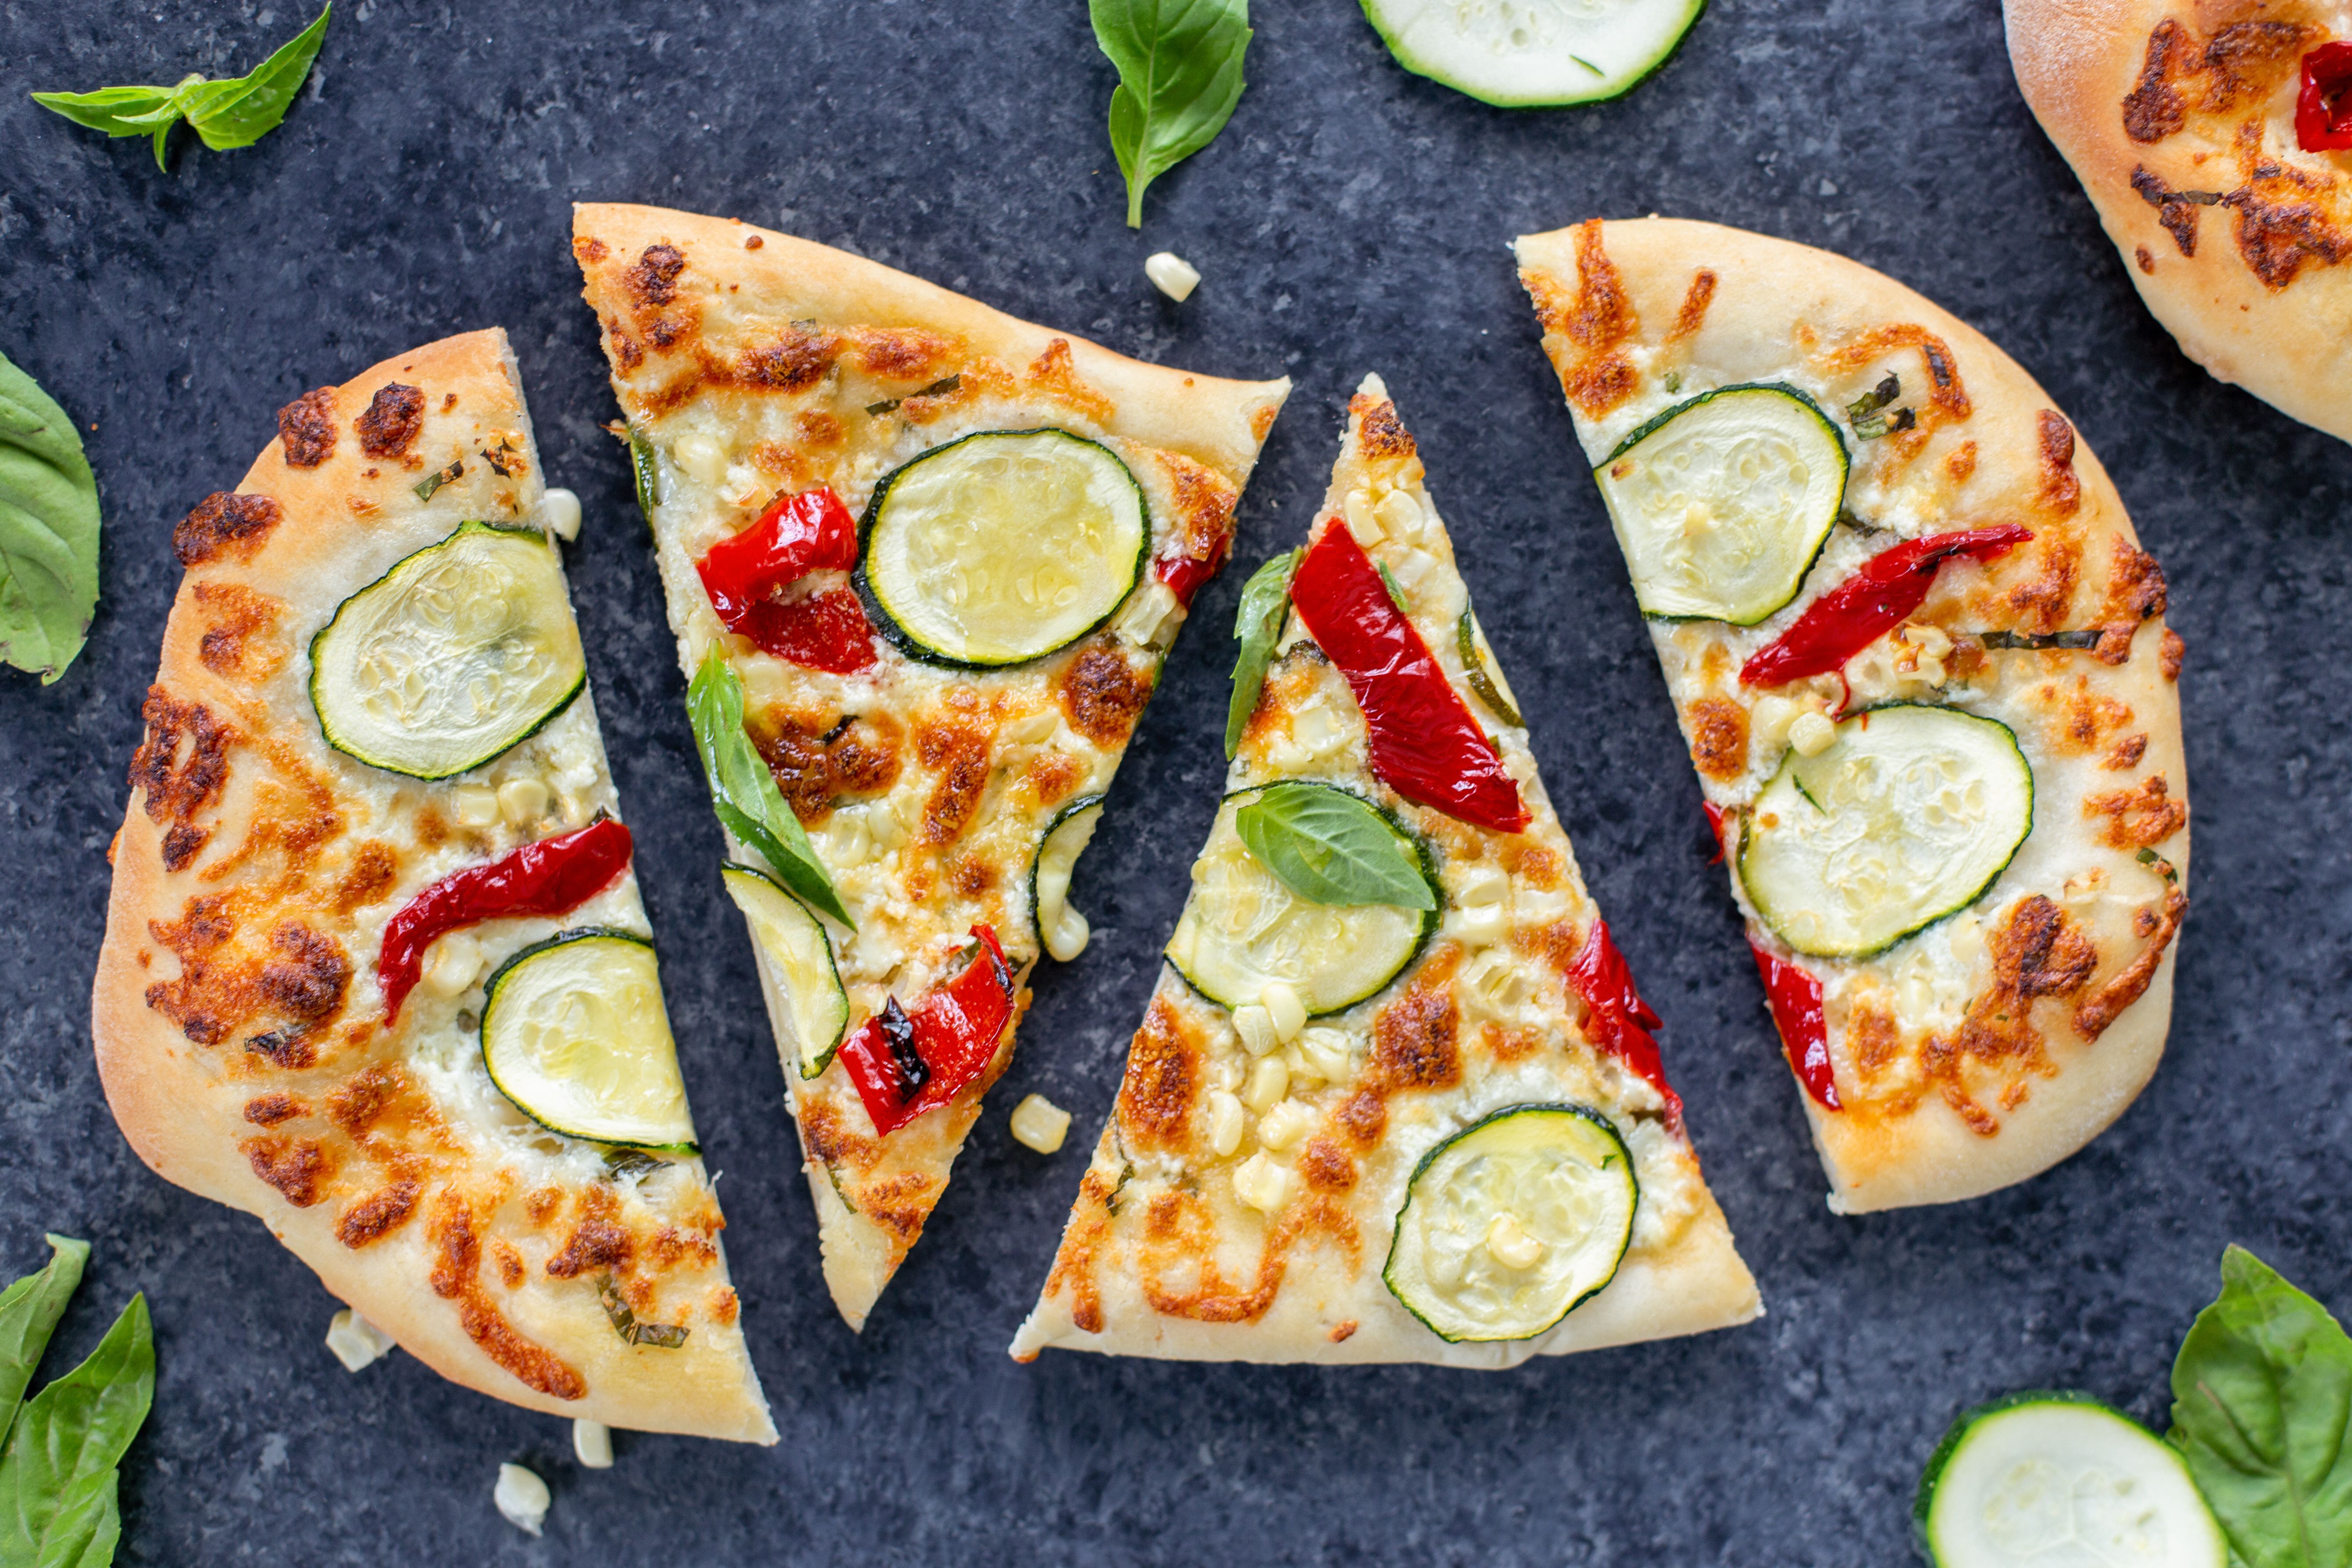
x=1424 y=743
x=905 y=1063
x=798 y=534
x=1622 y=1021
x=1796 y=1000
x=1715 y=821
x=1877 y=597
x=2322 y=110
x=552 y=877
x=826 y=631
x=1184 y=574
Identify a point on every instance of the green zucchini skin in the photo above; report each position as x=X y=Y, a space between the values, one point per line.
x=1052 y=825
x=807 y=1066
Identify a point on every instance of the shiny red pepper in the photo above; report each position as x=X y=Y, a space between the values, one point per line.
x=1716 y=818
x=1184 y=574
x=1424 y=743
x=552 y=877
x=1796 y=1000
x=907 y=1063
x=1866 y=607
x=1622 y=1021
x=798 y=534
x=2322 y=110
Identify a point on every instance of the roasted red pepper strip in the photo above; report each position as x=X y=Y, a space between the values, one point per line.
x=1184 y=574
x=1877 y=597
x=552 y=877
x=1622 y=1021
x=798 y=534
x=905 y=1063
x=2322 y=110
x=1796 y=999
x=1424 y=743
x=1715 y=821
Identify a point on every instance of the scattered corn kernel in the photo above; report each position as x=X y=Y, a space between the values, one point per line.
x=356 y=1342
x=701 y=456
x=1171 y=274
x=450 y=968
x=1030 y=728
x=592 y=1443
x=1226 y=1122
x=522 y=1498
x=1362 y=522
x=1327 y=1051
x=1479 y=926
x=561 y=510
x=1261 y=1184
x=1038 y=1123
x=1255 y=1026
x=1267 y=1084
x=477 y=805
x=1481 y=886
x=1153 y=617
x=1283 y=1005
x=1810 y=733
x=1399 y=514
x=1513 y=1248
x=1284 y=1125
x=523 y=801
x=1769 y=721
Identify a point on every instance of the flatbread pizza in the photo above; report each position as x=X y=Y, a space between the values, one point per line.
x=1396 y=1098
x=1923 y=667
x=924 y=562
x=375 y=967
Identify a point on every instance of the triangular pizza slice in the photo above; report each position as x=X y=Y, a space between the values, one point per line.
x=1395 y=1099
x=375 y=967
x=924 y=561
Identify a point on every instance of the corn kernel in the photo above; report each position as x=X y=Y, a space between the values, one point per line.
x=592 y=1443
x=523 y=801
x=1171 y=274
x=1255 y=1026
x=560 y=510
x=1283 y=1005
x=1226 y=1122
x=1481 y=886
x=1038 y=1123
x=357 y=1342
x=1327 y=1051
x=1030 y=728
x=1399 y=514
x=1769 y=721
x=1261 y=1184
x=454 y=962
x=1362 y=522
x=1153 y=617
x=1512 y=1246
x=477 y=805
x=701 y=456
x=1810 y=733
x=522 y=1498
x=1268 y=1082
x=1285 y=1124
x=1480 y=927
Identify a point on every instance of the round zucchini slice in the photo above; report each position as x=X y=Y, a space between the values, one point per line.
x=1002 y=547
x=1722 y=503
x=1905 y=818
x=1244 y=929
x=574 y=1033
x=1528 y=54
x=452 y=657
x=1513 y=1222
x=1061 y=930
x=2043 y=1480
x=795 y=942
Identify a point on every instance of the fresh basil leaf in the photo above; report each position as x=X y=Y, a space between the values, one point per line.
x=2262 y=1410
x=1266 y=604
x=1179 y=75
x=641 y=465
x=48 y=531
x=743 y=791
x=1396 y=589
x=241 y=110
x=29 y=1310
x=87 y=1526
x=71 y=1433
x=117 y=110
x=1330 y=848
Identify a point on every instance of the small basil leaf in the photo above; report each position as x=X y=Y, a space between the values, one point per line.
x=743 y=791
x=87 y=1526
x=72 y=1432
x=117 y=110
x=1266 y=604
x=2262 y=1411
x=241 y=110
x=48 y=531
x=641 y=465
x=1330 y=848
x=1179 y=75
x=29 y=1310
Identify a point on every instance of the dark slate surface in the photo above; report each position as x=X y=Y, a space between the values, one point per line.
x=1352 y=218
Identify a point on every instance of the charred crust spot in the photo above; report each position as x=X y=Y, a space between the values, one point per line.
x=2153 y=108
x=856 y=755
x=2135 y=584
x=1204 y=502
x=374 y=867
x=653 y=280
x=2139 y=818
x=1947 y=399
x=1594 y=321
x=455 y=1276
x=295 y=1166
x=239 y=614
x=182 y=844
x=178 y=787
x=899 y=1204
x=393 y=417
x=1872 y=1037
x=224 y=522
x=307 y=974
x=1718 y=731
x=972 y=874
x=1342 y=1331
x=2039 y=953
x=2104 y=1007
x=270 y=1110
x=1055 y=371
x=2175 y=212
x=377 y=1214
x=2170 y=654
x=1103 y=694
x=1363 y=1117
x=2277 y=237
x=2245 y=59
x=900 y=353
x=1327 y=1167
x=2062 y=491
x=2146 y=262
x=2036 y=952
x=957 y=754
x=596 y=1245
x=306 y=429
x=1378 y=432
x=1163 y=1072
x=2125 y=754
x=1073 y=1261
x=1961 y=462
x=1416 y=1037
x=723 y=1307
x=357 y=1104
x=1695 y=299
x=801 y=358
x=2043 y=601
x=589 y=248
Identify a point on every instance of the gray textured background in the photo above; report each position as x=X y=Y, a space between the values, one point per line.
x=1351 y=217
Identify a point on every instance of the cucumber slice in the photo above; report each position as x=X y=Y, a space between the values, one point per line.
x=1003 y=546
x=1242 y=929
x=1722 y=503
x=1908 y=815
x=456 y=654
x=574 y=1033
x=1534 y=54
x=2060 y=1480
x=1513 y=1222
x=1061 y=930
x=794 y=940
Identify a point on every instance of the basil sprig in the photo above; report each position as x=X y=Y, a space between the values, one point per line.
x=1179 y=75
x=1330 y=848
x=235 y=112
x=48 y=531
x=743 y=791
x=2262 y=1411
x=1265 y=603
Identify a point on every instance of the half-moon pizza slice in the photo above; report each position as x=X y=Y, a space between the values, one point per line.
x=1922 y=664
x=376 y=968
x=1396 y=1098
x=2215 y=139
x=924 y=561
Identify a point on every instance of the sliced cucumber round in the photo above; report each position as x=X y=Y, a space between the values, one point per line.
x=1061 y=930
x=1722 y=503
x=1511 y=1223
x=1906 y=816
x=795 y=942
x=1242 y=929
x=1004 y=546
x=2060 y=1480
x=1534 y=54
x=452 y=657
x=574 y=1033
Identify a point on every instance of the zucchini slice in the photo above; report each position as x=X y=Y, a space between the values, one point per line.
x=1485 y=675
x=645 y=471
x=574 y=1033
x=1513 y=1222
x=2039 y=1480
x=1722 y=503
x=1061 y=930
x=452 y=657
x=1004 y=546
x=1532 y=54
x=1908 y=815
x=1242 y=929
x=795 y=942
